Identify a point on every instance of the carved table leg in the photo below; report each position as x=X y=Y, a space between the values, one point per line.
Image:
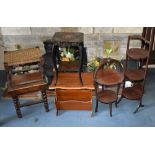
x=44 y=96
x=110 y=107
x=55 y=53
x=96 y=109
x=17 y=107
x=81 y=63
x=117 y=101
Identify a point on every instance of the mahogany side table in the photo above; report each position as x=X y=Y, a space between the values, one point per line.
x=108 y=74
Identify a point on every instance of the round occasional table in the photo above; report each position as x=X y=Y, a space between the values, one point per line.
x=107 y=79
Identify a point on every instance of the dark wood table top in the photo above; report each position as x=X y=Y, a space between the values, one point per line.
x=70 y=80
x=137 y=53
x=135 y=74
x=109 y=77
x=75 y=37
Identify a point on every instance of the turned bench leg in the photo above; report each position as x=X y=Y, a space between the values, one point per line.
x=44 y=96
x=17 y=107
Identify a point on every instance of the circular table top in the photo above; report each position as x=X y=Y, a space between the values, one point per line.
x=137 y=53
x=109 y=76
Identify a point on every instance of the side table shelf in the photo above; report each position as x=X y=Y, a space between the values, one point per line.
x=133 y=93
x=107 y=96
x=135 y=74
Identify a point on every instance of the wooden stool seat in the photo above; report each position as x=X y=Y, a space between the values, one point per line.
x=134 y=74
x=133 y=93
x=137 y=53
x=24 y=88
x=107 y=96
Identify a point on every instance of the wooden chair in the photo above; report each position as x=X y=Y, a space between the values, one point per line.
x=141 y=55
x=147 y=31
x=24 y=75
x=107 y=80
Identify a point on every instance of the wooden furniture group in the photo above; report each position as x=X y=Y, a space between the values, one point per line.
x=74 y=91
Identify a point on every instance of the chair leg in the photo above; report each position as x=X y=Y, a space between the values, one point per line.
x=119 y=100
x=17 y=107
x=44 y=96
x=96 y=109
x=110 y=108
x=139 y=106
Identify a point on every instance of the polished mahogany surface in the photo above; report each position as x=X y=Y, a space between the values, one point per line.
x=137 y=53
x=107 y=96
x=70 y=80
x=135 y=74
x=133 y=93
x=109 y=77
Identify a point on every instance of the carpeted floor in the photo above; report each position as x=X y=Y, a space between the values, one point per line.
x=35 y=116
